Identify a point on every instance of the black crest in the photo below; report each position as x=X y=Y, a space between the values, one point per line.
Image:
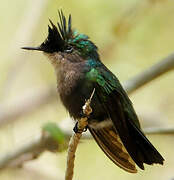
x=57 y=36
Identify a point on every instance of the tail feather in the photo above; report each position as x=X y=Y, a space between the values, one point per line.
x=135 y=142
x=111 y=144
x=148 y=151
x=109 y=141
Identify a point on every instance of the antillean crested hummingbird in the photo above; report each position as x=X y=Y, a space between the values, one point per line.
x=113 y=122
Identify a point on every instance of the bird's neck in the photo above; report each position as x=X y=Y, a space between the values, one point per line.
x=68 y=74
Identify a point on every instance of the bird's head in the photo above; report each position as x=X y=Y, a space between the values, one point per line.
x=62 y=40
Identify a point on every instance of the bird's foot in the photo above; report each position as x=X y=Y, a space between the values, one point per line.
x=76 y=128
x=82 y=115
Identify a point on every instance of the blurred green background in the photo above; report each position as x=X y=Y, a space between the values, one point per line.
x=131 y=35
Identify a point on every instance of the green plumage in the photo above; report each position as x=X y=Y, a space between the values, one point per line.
x=120 y=110
x=109 y=83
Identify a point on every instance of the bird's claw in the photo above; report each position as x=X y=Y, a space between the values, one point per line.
x=77 y=130
x=82 y=115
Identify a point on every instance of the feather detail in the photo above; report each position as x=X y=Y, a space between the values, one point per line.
x=111 y=144
x=120 y=110
x=58 y=36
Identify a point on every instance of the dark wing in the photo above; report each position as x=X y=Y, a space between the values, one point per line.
x=111 y=144
x=118 y=106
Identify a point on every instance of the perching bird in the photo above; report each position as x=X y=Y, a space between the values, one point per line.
x=113 y=122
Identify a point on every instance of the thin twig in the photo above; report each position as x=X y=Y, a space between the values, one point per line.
x=29 y=103
x=31 y=150
x=38 y=144
x=159 y=130
x=71 y=155
x=165 y=65
x=82 y=123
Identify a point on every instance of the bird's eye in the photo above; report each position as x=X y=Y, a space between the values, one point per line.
x=69 y=49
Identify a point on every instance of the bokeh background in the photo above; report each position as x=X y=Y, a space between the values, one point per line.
x=131 y=35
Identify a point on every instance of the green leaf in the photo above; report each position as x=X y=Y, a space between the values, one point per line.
x=55 y=132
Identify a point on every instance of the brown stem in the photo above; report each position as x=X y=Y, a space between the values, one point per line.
x=82 y=123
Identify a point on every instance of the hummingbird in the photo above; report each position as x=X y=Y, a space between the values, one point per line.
x=113 y=122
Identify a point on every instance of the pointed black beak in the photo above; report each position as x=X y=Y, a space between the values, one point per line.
x=33 y=48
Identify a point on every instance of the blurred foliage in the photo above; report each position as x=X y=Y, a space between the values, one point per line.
x=54 y=131
x=131 y=36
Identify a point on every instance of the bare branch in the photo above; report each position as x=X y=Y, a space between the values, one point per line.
x=28 y=151
x=40 y=143
x=159 y=130
x=82 y=123
x=28 y=104
x=32 y=150
x=165 y=65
